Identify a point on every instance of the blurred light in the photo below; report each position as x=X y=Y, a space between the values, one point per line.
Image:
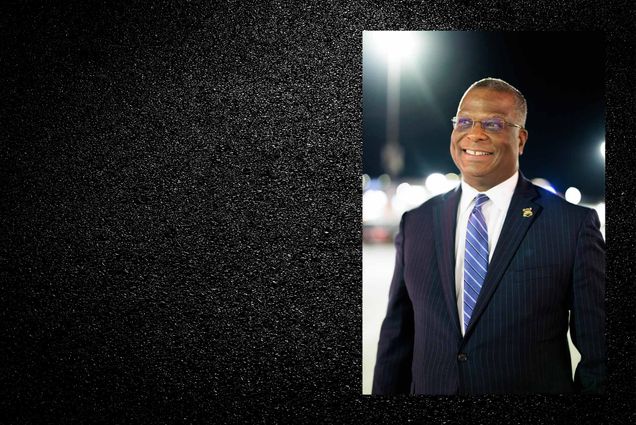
x=602 y=149
x=600 y=210
x=396 y=46
x=417 y=195
x=402 y=189
x=452 y=177
x=452 y=181
x=544 y=184
x=384 y=180
x=407 y=197
x=412 y=195
x=573 y=195
x=374 y=184
x=436 y=183
x=365 y=181
x=373 y=203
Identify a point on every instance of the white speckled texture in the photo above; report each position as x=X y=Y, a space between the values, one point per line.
x=181 y=212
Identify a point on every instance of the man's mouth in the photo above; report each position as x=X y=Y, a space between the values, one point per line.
x=476 y=153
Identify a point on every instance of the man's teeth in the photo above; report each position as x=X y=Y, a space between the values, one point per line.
x=478 y=153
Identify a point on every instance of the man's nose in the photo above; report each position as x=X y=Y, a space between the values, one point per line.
x=477 y=132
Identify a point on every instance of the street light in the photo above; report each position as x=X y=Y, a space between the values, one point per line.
x=396 y=47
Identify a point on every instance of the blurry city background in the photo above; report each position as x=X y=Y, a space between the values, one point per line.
x=412 y=83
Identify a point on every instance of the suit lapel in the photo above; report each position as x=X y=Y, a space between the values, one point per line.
x=445 y=216
x=516 y=225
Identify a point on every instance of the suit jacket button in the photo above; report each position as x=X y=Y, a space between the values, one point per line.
x=462 y=357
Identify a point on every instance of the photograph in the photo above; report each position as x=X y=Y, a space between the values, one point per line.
x=483 y=213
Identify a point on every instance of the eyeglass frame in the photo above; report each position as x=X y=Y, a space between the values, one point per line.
x=456 y=118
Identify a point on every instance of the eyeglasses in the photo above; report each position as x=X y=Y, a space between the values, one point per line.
x=491 y=125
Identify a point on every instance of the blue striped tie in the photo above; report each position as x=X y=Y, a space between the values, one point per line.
x=476 y=258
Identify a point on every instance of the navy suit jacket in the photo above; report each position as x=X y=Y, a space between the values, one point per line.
x=544 y=267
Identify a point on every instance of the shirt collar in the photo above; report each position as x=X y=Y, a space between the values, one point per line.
x=500 y=195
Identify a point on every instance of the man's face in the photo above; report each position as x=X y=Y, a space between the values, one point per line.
x=502 y=149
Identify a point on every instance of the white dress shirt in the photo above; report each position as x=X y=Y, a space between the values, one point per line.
x=494 y=211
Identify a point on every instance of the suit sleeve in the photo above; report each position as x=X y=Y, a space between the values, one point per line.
x=587 y=304
x=392 y=374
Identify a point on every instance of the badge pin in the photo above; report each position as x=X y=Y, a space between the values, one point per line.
x=527 y=212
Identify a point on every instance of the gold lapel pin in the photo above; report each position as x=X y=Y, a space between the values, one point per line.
x=527 y=212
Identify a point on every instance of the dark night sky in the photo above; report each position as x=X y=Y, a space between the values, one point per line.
x=561 y=74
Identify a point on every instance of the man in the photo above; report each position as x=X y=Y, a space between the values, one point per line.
x=486 y=275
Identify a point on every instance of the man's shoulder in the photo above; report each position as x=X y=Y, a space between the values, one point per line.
x=427 y=208
x=554 y=202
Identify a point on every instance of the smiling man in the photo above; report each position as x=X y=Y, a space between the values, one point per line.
x=490 y=276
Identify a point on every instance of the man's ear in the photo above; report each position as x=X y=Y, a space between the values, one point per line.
x=523 y=137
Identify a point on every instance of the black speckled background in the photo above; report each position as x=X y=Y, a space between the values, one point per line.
x=181 y=212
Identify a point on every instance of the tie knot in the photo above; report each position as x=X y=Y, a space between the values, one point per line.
x=480 y=200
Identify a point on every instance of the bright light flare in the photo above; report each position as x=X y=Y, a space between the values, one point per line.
x=573 y=195
x=544 y=184
x=602 y=149
x=600 y=210
x=408 y=196
x=436 y=183
x=396 y=46
x=373 y=204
